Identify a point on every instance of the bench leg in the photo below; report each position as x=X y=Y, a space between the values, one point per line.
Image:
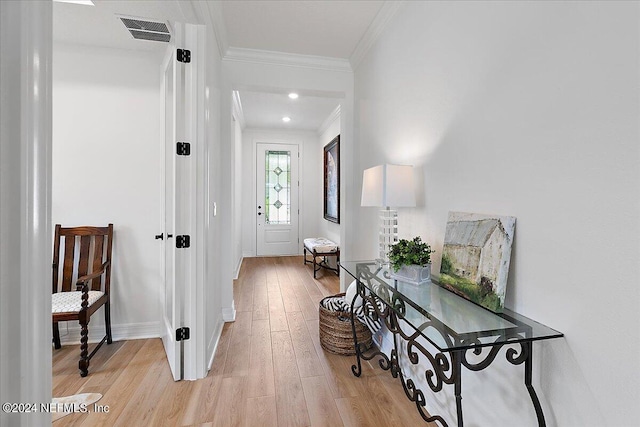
x=315 y=256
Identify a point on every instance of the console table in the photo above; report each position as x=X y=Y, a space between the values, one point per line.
x=453 y=325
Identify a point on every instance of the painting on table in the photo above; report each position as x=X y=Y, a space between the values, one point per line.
x=332 y=180
x=476 y=257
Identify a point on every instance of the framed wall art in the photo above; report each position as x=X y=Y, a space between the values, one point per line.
x=332 y=180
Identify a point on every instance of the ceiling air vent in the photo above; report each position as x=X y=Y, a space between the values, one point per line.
x=147 y=30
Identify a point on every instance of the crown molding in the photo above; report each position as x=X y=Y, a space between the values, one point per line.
x=287 y=59
x=213 y=10
x=237 y=109
x=377 y=26
x=335 y=114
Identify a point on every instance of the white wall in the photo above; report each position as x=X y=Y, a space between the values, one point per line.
x=527 y=109
x=107 y=156
x=327 y=229
x=310 y=181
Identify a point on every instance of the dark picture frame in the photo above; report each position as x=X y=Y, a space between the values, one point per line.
x=332 y=180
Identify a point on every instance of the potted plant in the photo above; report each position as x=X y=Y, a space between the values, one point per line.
x=410 y=261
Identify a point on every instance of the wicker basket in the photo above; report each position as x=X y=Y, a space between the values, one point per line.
x=336 y=335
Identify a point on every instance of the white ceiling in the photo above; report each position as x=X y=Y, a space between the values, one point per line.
x=266 y=110
x=319 y=28
x=322 y=28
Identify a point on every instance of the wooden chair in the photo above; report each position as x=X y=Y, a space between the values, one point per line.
x=86 y=252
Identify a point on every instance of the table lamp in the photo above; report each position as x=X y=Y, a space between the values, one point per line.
x=388 y=186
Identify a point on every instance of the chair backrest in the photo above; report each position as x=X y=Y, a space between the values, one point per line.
x=84 y=250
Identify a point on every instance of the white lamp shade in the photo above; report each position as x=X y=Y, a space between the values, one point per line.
x=388 y=185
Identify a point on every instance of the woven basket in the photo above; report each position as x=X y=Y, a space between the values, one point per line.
x=336 y=335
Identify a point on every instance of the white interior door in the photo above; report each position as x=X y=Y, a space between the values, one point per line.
x=277 y=212
x=172 y=305
x=179 y=204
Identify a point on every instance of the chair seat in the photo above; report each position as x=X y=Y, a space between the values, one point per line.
x=320 y=245
x=70 y=302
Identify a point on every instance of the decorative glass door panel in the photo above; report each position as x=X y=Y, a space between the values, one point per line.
x=278 y=187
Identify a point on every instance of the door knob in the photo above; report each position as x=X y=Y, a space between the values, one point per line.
x=169 y=236
x=160 y=236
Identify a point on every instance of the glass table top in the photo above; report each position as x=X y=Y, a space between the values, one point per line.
x=448 y=321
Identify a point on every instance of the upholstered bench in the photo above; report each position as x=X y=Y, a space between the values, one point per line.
x=319 y=247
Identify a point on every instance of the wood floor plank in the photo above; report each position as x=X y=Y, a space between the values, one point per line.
x=202 y=405
x=231 y=404
x=125 y=385
x=289 y=299
x=172 y=404
x=261 y=411
x=277 y=314
x=320 y=403
x=260 y=298
x=290 y=403
x=307 y=306
x=238 y=364
x=220 y=358
x=260 y=381
x=141 y=409
x=306 y=357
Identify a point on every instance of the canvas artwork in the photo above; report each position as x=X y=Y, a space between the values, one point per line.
x=476 y=256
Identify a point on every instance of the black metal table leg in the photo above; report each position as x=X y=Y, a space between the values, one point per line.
x=528 y=373
x=456 y=361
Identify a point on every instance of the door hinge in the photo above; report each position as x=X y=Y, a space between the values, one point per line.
x=182 y=334
x=184 y=55
x=183 y=149
x=183 y=241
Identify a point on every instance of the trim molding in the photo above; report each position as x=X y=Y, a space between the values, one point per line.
x=286 y=59
x=238 y=267
x=386 y=12
x=214 y=11
x=229 y=313
x=127 y=331
x=335 y=114
x=237 y=108
x=214 y=342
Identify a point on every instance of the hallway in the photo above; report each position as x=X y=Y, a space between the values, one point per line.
x=269 y=369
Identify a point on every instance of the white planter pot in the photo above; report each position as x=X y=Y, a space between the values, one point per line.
x=415 y=274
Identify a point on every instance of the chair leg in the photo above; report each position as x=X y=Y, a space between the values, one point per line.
x=56 y=336
x=83 y=364
x=107 y=321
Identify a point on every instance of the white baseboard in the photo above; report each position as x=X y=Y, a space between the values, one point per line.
x=248 y=254
x=238 y=266
x=212 y=347
x=229 y=313
x=128 y=331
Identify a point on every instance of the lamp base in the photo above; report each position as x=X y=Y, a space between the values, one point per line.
x=388 y=234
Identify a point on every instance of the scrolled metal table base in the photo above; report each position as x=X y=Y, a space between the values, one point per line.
x=443 y=368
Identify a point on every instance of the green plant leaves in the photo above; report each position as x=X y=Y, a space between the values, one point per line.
x=410 y=252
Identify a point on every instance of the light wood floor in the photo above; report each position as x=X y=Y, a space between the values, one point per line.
x=269 y=369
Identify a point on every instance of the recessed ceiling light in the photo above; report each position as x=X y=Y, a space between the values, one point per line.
x=84 y=2
x=293 y=95
x=286 y=119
